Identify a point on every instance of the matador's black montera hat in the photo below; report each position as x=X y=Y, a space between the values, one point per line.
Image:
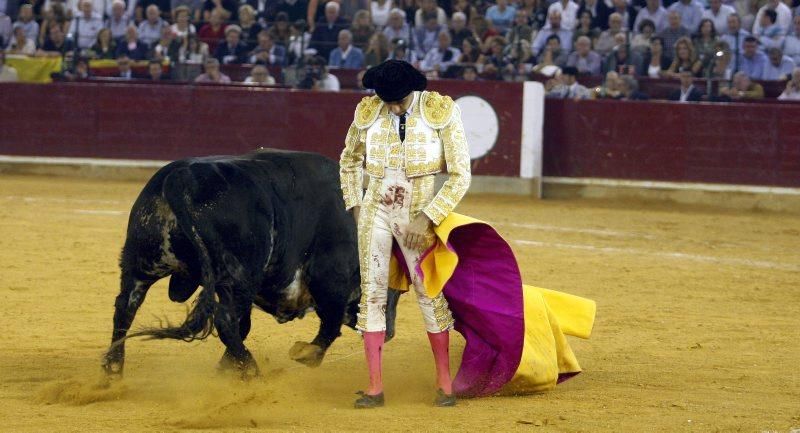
x=393 y=80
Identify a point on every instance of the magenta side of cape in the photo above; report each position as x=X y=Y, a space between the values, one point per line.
x=485 y=296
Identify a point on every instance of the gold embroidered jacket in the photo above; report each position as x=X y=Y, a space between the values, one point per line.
x=434 y=141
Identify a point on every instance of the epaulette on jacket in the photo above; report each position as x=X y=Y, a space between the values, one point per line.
x=367 y=111
x=436 y=109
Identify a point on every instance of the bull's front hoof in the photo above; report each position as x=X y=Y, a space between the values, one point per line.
x=113 y=367
x=307 y=353
x=247 y=367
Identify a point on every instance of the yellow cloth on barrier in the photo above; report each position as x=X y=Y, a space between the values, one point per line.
x=34 y=69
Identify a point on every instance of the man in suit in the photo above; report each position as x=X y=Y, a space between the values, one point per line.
x=569 y=88
x=267 y=52
x=346 y=55
x=233 y=50
x=688 y=92
x=326 y=33
x=124 y=64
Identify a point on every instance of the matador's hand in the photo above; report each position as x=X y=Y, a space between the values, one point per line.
x=416 y=233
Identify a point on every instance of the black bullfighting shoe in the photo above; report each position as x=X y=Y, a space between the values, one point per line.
x=444 y=400
x=367 y=401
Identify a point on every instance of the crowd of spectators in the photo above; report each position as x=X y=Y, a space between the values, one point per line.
x=736 y=41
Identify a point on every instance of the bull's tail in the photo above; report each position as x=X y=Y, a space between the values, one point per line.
x=179 y=189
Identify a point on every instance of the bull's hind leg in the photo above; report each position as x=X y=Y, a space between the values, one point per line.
x=130 y=298
x=232 y=322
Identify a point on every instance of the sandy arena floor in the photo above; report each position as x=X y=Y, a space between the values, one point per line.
x=697 y=328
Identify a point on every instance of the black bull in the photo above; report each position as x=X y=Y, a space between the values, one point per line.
x=267 y=228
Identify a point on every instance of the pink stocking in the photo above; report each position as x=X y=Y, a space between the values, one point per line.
x=440 y=344
x=373 y=347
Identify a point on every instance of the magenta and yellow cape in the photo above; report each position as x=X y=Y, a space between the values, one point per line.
x=514 y=333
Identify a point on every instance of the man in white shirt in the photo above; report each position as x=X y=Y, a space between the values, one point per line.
x=441 y=57
x=118 y=20
x=735 y=32
x=779 y=66
x=84 y=28
x=718 y=13
x=784 y=16
x=653 y=12
x=554 y=23
x=569 y=13
x=691 y=13
x=150 y=29
x=791 y=45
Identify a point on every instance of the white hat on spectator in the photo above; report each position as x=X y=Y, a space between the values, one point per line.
x=233 y=28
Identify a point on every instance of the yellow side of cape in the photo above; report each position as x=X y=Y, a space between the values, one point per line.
x=549 y=315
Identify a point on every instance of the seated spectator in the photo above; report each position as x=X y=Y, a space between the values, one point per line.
x=610 y=89
x=564 y=36
x=459 y=31
x=377 y=50
x=629 y=89
x=566 y=86
x=267 y=52
x=232 y=51
x=225 y=8
x=299 y=41
x=259 y=76
x=20 y=44
x=656 y=63
x=362 y=29
x=501 y=15
x=721 y=67
x=705 y=42
x=55 y=15
x=124 y=65
x=441 y=57
x=552 y=54
x=5 y=30
x=779 y=66
x=212 y=73
x=81 y=70
x=673 y=32
x=183 y=26
x=791 y=44
x=428 y=36
x=250 y=28
x=57 y=45
x=213 y=31
x=150 y=29
x=641 y=41
x=282 y=33
x=623 y=60
x=400 y=51
x=429 y=8
x=326 y=33
x=469 y=73
x=345 y=55
x=586 y=27
x=379 y=12
x=752 y=61
x=569 y=13
x=771 y=34
x=466 y=8
x=155 y=71
x=599 y=9
x=583 y=59
x=792 y=92
x=519 y=53
x=193 y=51
x=735 y=34
x=7 y=73
x=627 y=12
x=118 y=21
x=691 y=12
x=718 y=13
x=483 y=29
x=398 y=28
x=317 y=76
x=104 y=47
x=470 y=52
x=653 y=12
x=86 y=26
x=743 y=89
x=131 y=46
x=688 y=92
x=167 y=49
x=783 y=16
x=26 y=21
x=685 y=58
x=607 y=39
